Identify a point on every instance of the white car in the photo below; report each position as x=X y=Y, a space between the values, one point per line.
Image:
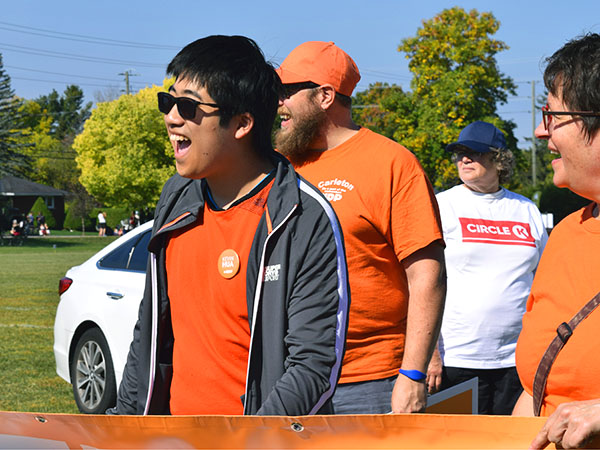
x=94 y=323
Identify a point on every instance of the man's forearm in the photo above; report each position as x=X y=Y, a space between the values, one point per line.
x=427 y=291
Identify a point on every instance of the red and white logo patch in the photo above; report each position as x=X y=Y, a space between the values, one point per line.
x=501 y=232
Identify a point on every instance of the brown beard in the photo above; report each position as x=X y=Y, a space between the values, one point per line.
x=295 y=143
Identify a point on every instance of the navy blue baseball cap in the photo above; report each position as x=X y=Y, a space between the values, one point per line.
x=479 y=136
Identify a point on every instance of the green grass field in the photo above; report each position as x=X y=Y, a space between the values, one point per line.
x=29 y=277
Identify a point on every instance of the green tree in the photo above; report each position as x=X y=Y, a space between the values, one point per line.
x=52 y=122
x=123 y=152
x=372 y=108
x=78 y=210
x=12 y=159
x=456 y=81
x=68 y=112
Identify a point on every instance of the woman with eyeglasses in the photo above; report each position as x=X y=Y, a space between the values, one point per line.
x=494 y=240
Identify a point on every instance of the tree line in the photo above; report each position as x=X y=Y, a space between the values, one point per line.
x=118 y=154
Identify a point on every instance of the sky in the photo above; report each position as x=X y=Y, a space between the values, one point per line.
x=49 y=45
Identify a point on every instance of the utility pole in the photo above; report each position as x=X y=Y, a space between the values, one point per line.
x=533 y=124
x=128 y=74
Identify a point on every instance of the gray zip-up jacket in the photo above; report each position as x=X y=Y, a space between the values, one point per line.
x=297 y=296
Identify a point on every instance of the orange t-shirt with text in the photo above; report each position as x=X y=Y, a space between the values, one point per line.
x=387 y=210
x=567 y=277
x=209 y=312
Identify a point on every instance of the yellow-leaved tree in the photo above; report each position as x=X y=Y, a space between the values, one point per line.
x=124 y=152
x=456 y=81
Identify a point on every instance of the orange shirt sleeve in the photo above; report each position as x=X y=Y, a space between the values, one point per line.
x=415 y=217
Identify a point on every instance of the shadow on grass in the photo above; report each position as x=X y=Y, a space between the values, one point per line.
x=55 y=242
x=51 y=243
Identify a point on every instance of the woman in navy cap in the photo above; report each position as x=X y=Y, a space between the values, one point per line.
x=494 y=240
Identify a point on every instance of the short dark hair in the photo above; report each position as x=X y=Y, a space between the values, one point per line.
x=344 y=100
x=236 y=75
x=574 y=70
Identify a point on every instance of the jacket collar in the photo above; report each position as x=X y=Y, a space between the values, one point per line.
x=184 y=199
x=284 y=194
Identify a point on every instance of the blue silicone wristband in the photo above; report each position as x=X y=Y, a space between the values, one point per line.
x=415 y=375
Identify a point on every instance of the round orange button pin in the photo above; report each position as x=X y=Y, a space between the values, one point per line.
x=228 y=263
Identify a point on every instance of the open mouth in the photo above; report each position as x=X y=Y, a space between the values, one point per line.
x=555 y=153
x=285 y=118
x=182 y=143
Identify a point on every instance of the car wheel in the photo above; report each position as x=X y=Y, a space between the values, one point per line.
x=92 y=374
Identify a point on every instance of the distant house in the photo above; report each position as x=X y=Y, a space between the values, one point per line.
x=18 y=196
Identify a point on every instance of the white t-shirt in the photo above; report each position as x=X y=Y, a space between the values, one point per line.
x=101 y=218
x=493 y=246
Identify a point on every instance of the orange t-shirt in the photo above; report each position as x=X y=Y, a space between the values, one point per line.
x=387 y=210
x=567 y=277
x=209 y=312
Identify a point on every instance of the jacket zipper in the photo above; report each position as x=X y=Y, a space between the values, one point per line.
x=257 y=295
x=155 y=309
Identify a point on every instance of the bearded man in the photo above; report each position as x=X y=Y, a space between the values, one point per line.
x=391 y=226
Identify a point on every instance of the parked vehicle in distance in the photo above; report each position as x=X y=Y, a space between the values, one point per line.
x=94 y=322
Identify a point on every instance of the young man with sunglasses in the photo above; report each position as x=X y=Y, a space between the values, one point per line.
x=246 y=295
x=391 y=225
x=567 y=277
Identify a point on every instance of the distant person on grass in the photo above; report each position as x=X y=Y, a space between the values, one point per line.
x=41 y=223
x=101 y=223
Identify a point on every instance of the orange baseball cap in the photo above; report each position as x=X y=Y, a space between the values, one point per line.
x=321 y=63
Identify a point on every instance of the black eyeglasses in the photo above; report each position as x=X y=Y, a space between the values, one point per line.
x=293 y=88
x=547 y=115
x=185 y=105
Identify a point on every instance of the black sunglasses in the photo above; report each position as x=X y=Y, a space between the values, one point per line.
x=186 y=106
x=290 y=89
x=459 y=154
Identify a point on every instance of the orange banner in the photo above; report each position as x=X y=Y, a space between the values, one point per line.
x=401 y=431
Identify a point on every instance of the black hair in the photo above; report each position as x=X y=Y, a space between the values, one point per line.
x=574 y=71
x=236 y=75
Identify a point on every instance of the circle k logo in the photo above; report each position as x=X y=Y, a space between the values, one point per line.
x=520 y=231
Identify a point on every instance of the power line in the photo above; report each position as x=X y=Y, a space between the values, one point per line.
x=520 y=97
x=83 y=38
x=515 y=112
x=140 y=84
x=65 y=82
x=394 y=76
x=53 y=113
x=74 y=57
x=61 y=74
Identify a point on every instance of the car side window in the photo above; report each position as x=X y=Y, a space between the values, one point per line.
x=140 y=253
x=131 y=255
